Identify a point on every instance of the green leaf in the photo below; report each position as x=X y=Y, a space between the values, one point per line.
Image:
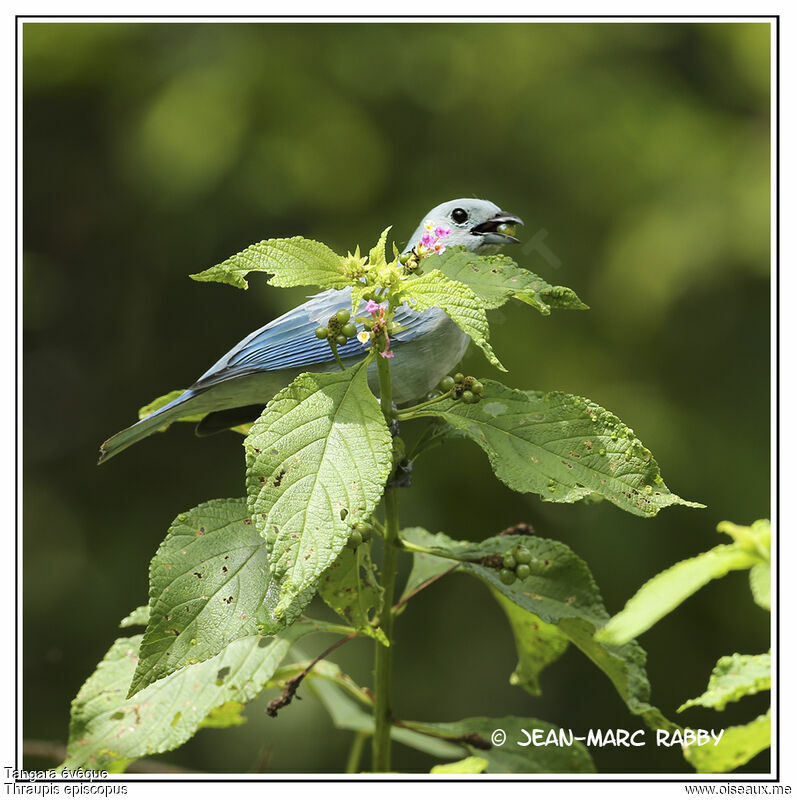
x=538 y=644
x=514 y=756
x=738 y=745
x=317 y=462
x=559 y=446
x=560 y=591
x=667 y=590
x=290 y=262
x=209 y=585
x=760 y=580
x=350 y=588
x=227 y=715
x=496 y=279
x=107 y=729
x=734 y=677
x=435 y=290
x=472 y=765
x=139 y=616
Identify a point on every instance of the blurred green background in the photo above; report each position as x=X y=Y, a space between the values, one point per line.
x=637 y=154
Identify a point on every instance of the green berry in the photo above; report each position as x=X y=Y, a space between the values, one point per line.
x=509 y=561
x=507 y=577
x=405 y=257
x=459 y=377
x=522 y=554
x=523 y=571
x=477 y=387
x=364 y=529
x=447 y=383
x=341 y=339
x=343 y=316
x=321 y=333
x=355 y=539
x=349 y=330
x=468 y=397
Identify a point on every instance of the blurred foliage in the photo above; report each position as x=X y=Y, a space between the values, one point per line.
x=637 y=154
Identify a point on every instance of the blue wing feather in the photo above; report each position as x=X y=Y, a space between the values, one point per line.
x=289 y=341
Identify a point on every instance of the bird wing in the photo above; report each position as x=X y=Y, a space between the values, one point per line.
x=289 y=341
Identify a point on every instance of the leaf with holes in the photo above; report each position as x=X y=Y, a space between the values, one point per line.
x=107 y=731
x=290 y=262
x=559 y=446
x=496 y=279
x=435 y=290
x=209 y=585
x=559 y=591
x=350 y=588
x=318 y=459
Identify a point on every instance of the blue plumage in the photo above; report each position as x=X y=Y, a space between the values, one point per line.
x=249 y=375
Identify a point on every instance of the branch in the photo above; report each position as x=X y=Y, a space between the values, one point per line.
x=292 y=684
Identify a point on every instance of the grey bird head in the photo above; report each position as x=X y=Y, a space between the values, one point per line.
x=474 y=224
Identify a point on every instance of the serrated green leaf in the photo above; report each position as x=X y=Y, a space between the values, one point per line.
x=495 y=279
x=107 y=731
x=760 y=585
x=435 y=290
x=667 y=590
x=227 y=715
x=560 y=591
x=349 y=587
x=734 y=677
x=209 y=585
x=317 y=462
x=517 y=755
x=472 y=765
x=559 y=446
x=140 y=616
x=738 y=745
x=538 y=644
x=290 y=262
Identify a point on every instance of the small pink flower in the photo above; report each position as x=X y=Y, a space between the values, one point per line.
x=387 y=354
x=427 y=240
x=372 y=308
x=439 y=247
x=442 y=231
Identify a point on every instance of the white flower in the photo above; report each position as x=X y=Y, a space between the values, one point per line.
x=363 y=337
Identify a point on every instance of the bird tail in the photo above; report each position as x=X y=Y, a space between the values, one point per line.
x=144 y=427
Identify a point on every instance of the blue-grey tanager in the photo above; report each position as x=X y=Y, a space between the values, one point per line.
x=237 y=387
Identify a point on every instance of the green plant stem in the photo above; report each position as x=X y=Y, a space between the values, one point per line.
x=383 y=657
x=355 y=754
x=334 y=348
x=407 y=413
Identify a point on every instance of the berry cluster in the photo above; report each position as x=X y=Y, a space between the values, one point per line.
x=516 y=564
x=460 y=387
x=360 y=534
x=338 y=330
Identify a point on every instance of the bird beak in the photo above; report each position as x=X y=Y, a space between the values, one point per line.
x=489 y=230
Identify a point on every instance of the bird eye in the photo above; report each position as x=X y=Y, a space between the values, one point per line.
x=459 y=215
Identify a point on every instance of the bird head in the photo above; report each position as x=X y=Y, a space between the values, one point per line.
x=473 y=223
